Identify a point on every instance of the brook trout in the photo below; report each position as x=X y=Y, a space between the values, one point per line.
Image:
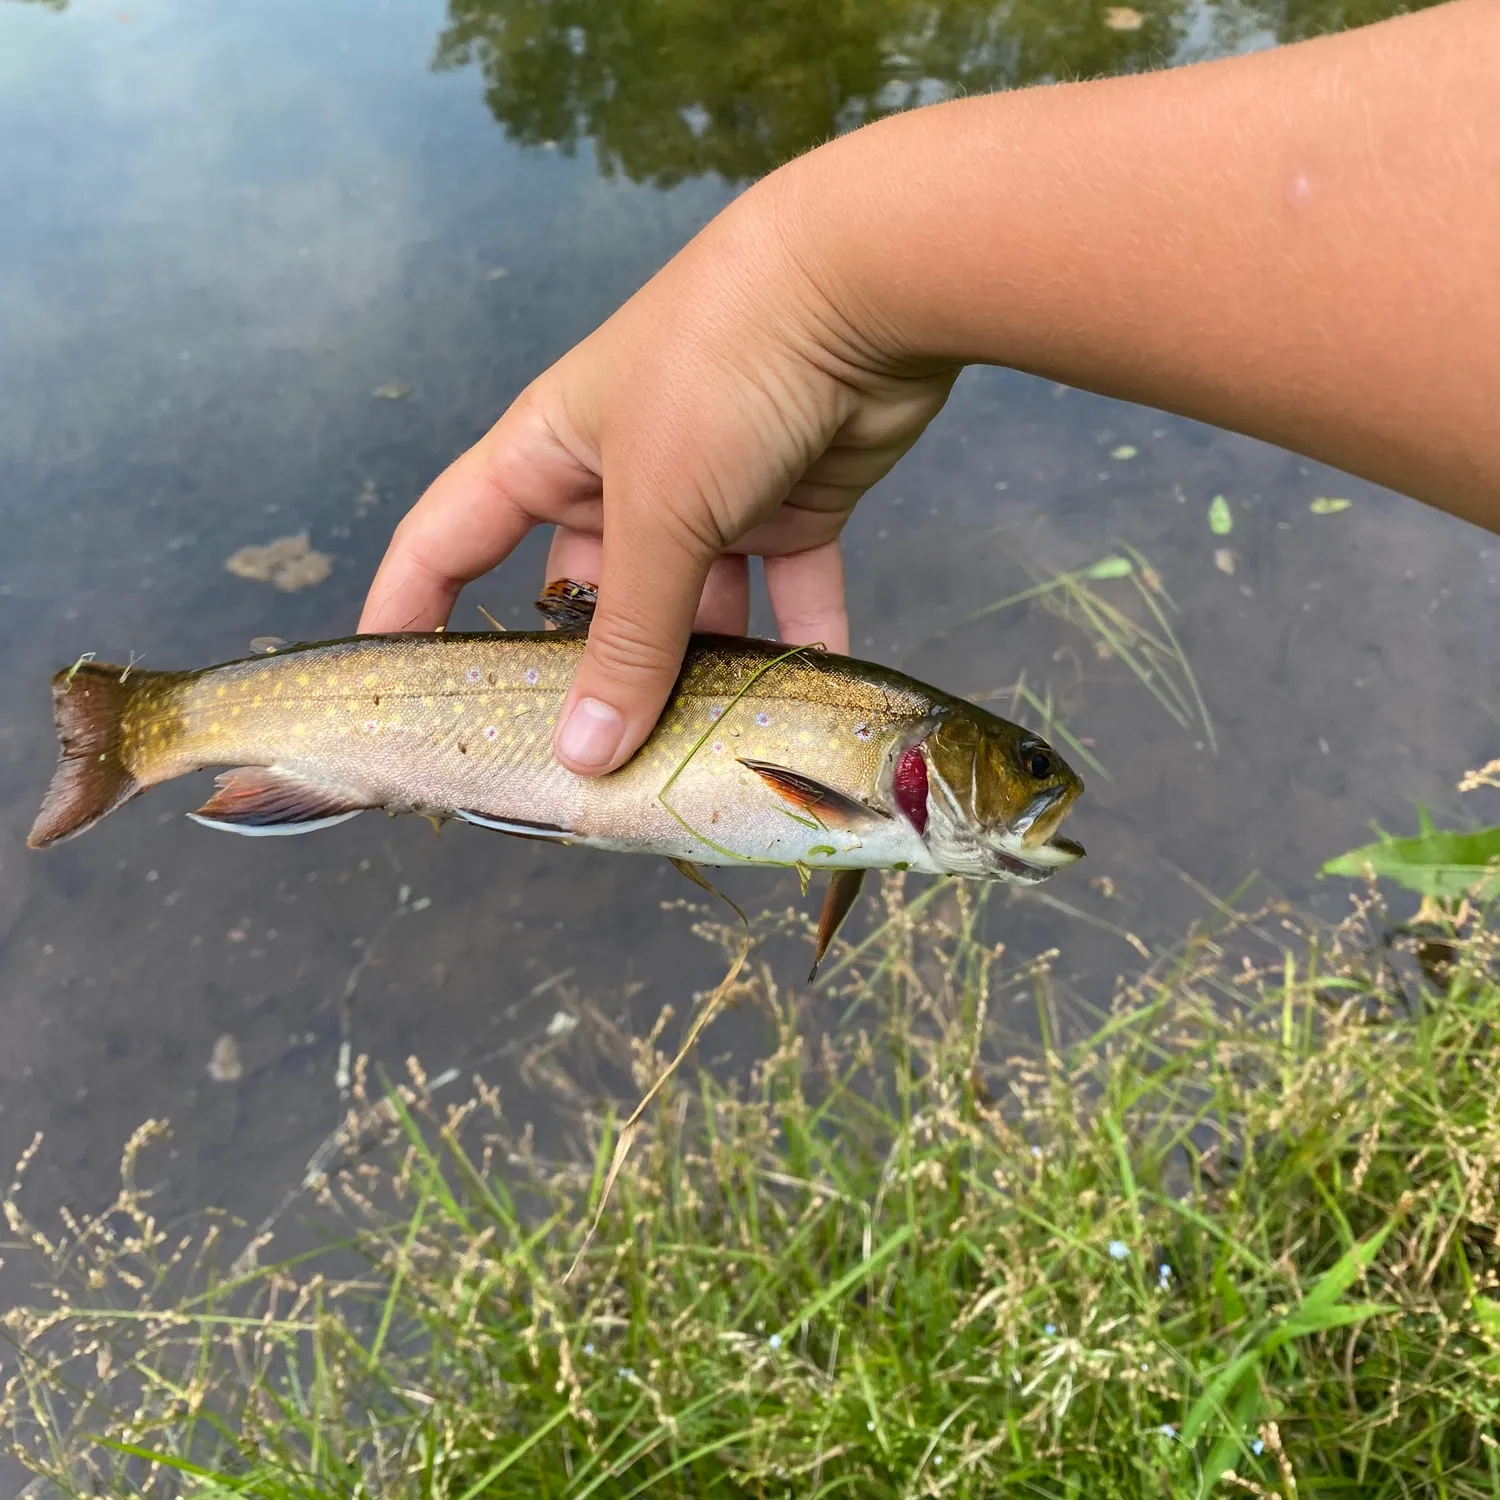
x=764 y=755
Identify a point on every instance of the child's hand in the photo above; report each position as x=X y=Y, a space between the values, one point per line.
x=727 y=409
x=1298 y=244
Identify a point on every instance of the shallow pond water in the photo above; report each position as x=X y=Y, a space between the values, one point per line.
x=267 y=268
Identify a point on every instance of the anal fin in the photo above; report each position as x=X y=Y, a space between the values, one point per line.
x=829 y=806
x=843 y=892
x=268 y=800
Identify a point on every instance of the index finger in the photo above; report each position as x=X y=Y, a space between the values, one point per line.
x=461 y=527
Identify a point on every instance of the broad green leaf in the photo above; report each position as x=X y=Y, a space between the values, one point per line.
x=1327 y=505
x=1220 y=517
x=1434 y=862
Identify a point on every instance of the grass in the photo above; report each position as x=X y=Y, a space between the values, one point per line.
x=1238 y=1236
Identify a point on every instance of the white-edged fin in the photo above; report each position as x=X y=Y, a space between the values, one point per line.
x=518 y=826
x=270 y=800
x=273 y=830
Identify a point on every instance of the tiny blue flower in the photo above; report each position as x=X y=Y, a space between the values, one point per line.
x=775 y=1341
x=1167 y=1429
x=937 y=1459
x=1118 y=1249
x=627 y=1373
x=1257 y=1447
x=1050 y=1329
x=870 y=1425
x=588 y=1348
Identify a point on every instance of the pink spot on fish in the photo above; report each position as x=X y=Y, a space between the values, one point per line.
x=490 y=732
x=474 y=674
x=764 y=720
x=910 y=787
x=371 y=726
x=716 y=712
x=718 y=747
x=862 y=731
x=533 y=676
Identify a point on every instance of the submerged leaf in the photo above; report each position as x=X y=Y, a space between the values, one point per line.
x=1326 y=505
x=1124 y=451
x=1220 y=517
x=1110 y=567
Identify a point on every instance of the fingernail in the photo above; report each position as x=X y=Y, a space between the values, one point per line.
x=591 y=734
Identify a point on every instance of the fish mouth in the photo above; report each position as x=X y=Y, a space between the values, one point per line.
x=1039 y=819
x=1021 y=870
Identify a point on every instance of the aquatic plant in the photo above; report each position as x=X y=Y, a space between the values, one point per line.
x=1237 y=1235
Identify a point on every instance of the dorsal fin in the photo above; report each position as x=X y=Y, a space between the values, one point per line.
x=567 y=604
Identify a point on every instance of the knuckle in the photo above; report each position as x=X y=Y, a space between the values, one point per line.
x=626 y=649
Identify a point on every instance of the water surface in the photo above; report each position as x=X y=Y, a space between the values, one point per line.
x=224 y=228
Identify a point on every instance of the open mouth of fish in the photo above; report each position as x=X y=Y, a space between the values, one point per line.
x=1024 y=872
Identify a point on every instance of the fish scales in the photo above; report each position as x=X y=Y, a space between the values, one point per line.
x=456 y=721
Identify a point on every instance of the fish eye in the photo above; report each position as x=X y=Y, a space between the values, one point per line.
x=1038 y=762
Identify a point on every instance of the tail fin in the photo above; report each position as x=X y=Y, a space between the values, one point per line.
x=91 y=779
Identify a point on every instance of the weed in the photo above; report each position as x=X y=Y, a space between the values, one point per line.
x=1240 y=1236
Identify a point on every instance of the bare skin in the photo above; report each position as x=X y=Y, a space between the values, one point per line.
x=1301 y=245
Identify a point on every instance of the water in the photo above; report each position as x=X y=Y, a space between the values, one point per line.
x=223 y=228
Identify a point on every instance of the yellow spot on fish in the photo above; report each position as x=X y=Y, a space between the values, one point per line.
x=328 y=712
x=371 y=678
x=234 y=713
x=218 y=692
x=302 y=679
x=330 y=681
x=426 y=702
x=296 y=728
x=257 y=701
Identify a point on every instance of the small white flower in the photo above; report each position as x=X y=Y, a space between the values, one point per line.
x=588 y=1348
x=1118 y=1249
x=774 y=1341
x=1257 y=1447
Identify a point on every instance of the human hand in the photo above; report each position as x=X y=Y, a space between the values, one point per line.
x=731 y=408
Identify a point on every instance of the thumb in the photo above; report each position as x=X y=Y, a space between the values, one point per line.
x=651 y=579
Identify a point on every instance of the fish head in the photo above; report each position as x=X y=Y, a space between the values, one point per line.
x=995 y=796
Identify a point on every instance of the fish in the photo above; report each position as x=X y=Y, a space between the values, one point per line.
x=764 y=754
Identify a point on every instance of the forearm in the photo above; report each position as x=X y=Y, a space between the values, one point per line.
x=1303 y=245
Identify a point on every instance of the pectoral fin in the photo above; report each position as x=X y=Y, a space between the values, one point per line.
x=266 y=800
x=830 y=807
x=843 y=892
